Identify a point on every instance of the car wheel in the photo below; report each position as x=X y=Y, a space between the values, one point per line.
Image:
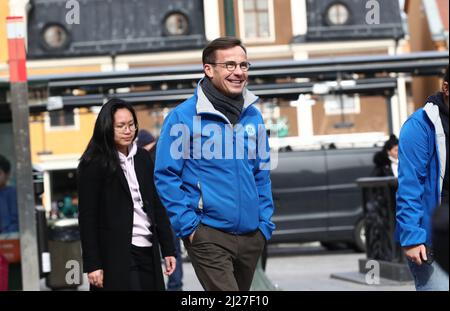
x=359 y=237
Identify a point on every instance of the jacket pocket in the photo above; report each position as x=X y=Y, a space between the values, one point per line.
x=196 y=233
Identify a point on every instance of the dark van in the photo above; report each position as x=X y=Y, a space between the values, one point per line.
x=316 y=197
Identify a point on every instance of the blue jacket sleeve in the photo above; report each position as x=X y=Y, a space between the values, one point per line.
x=263 y=184
x=413 y=158
x=168 y=176
x=13 y=221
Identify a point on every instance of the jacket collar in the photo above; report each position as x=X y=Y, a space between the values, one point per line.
x=205 y=106
x=132 y=150
x=432 y=112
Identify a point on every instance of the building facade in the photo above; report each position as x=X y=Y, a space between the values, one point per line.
x=428 y=31
x=121 y=35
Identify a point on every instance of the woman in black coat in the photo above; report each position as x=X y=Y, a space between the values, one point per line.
x=122 y=221
x=386 y=160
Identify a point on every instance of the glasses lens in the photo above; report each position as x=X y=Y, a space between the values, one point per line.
x=230 y=66
x=123 y=128
x=245 y=66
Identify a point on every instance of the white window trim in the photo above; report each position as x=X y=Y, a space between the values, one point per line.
x=212 y=19
x=245 y=39
x=355 y=110
x=299 y=17
x=75 y=127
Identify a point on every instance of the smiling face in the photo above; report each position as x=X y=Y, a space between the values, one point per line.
x=230 y=84
x=124 y=129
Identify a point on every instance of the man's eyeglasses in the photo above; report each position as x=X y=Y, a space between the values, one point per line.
x=231 y=66
x=124 y=127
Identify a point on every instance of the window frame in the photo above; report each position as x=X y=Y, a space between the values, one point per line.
x=337 y=111
x=62 y=128
x=329 y=22
x=271 y=14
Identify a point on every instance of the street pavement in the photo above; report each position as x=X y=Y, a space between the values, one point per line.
x=308 y=267
x=302 y=267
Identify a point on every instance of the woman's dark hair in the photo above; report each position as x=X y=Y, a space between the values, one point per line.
x=5 y=165
x=391 y=143
x=223 y=43
x=101 y=147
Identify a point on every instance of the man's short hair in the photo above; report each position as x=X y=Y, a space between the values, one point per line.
x=5 y=165
x=222 y=43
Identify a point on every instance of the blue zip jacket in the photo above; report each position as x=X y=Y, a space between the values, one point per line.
x=8 y=210
x=422 y=158
x=200 y=178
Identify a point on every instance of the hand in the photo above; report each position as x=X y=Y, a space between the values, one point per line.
x=416 y=253
x=96 y=278
x=170 y=263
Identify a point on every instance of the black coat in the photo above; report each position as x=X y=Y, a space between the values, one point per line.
x=382 y=165
x=106 y=220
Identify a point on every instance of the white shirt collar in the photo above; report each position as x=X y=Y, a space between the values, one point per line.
x=132 y=150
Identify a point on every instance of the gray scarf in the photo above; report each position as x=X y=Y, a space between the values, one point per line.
x=229 y=107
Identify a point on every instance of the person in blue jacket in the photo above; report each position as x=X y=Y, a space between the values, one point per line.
x=422 y=186
x=212 y=171
x=9 y=221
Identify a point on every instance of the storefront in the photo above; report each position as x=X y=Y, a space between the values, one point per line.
x=60 y=197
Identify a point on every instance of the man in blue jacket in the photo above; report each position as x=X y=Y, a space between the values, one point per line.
x=212 y=171
x=422 y=186
x=8 y=200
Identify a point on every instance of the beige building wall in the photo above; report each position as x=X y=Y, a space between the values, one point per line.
x=60 y=142
x=372 y=118
x=4 y=9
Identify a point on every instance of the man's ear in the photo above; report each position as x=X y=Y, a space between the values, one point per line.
x=445 y=88
x=208 y=69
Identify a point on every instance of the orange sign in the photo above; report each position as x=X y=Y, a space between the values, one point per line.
x=10 y=249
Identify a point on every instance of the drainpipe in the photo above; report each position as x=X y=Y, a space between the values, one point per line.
x=230 y=29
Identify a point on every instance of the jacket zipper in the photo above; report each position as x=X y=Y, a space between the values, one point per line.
x=236 y=166
x=237 y=175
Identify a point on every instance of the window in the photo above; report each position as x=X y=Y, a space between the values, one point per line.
x=256 y=20
x=350 y=104
x=55 y=36
x=176 y=24
x=62 y=120
x=337 y=14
